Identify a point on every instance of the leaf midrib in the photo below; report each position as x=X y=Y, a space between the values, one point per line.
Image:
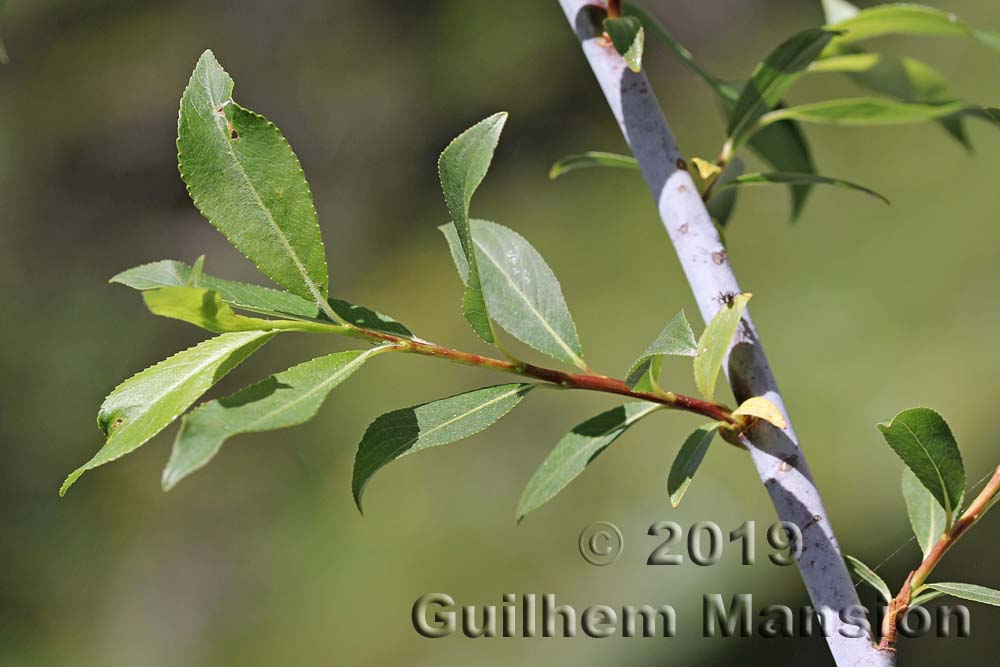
x=409 y=443
x=621 y=426
x=937 y=471
x=552 y=332
x=307 y=279
x=350 y=366
x=187 y=378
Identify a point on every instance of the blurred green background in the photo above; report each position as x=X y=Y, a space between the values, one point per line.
x=261 y=558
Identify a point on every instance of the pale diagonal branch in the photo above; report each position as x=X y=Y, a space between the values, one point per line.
x=775 y=453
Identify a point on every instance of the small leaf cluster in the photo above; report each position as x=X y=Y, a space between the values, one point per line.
x=245 y=179
x=934 y=489
x=906 y=91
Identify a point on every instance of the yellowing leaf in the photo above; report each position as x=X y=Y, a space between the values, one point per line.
x=705 y=170
x=206 y=309
x=762 y=408
x=714 y=343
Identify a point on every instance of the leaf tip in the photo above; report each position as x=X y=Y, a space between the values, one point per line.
x=70 y=479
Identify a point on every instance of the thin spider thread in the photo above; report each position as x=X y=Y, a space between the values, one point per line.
x=975 y=487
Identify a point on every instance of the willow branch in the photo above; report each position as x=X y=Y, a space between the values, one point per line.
x=585 y=381
x=777 y=457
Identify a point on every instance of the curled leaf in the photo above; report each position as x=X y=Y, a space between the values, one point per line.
x=592 y=159
x=762 y=408
x=628 y=38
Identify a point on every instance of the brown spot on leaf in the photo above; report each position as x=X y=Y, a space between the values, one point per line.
x=683 y=228
x=720 y=257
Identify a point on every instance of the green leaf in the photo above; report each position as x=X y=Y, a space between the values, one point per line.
x=902 y=78
x=921 y=438
x=720 y=204
x=924 y=598
x=522 y=293
x=402 y=432
x=205 y=308
x=906 y=19
x=714 y=343
x=866 y=574
x=244 y=177
x=838 y=10
x=194 y=279
x=783 y=145
x=285 y=399
x=146 y=403
x=688 y=460
x=676 y=339
x=367 y=318
x=592 y=159
x=926 y=514
x=989 y=38
x=576 y=450
x=772 y=78
x=462 y=168
x=652 y=26
x=629 y=39
x=794 y=179
x=254 y=298
x=969 y=592
x=863 y=111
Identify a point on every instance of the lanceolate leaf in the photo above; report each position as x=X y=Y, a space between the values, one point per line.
x=900 y=77
x=863 y=111
x=720 y=205
x=264 y=300
x=905 y=19
x=903 y=78
x=969 y=592
x=783 y=145
x=687 y=462
x=714 y=343
x=367 y=318
x=866 y=574
x=401 y=432
x=592 y=159
x=522 y=293
x=576 y=451
x=675 y=339
x=926 y=514
x=462 y=167
x=205 y=308
x=653 y=27
x=772 y=78
x=779 y=177
x=921 y=438
x=924 y=598
x=629 y=39
x=285 y=399
x=762 y=408
x=146 y=403
x=244 y=177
